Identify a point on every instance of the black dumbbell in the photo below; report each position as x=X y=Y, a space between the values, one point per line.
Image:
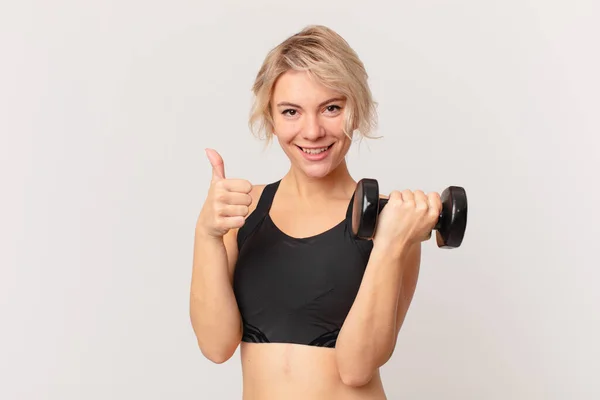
x=450 y=227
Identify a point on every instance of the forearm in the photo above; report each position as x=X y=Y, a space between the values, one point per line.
x=368 y=336
x=213 y=309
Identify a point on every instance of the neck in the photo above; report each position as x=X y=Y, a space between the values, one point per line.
x=338 y=183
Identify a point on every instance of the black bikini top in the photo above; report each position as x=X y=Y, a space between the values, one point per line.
x=296 y=290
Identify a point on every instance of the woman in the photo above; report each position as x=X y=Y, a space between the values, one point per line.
x=276 y=268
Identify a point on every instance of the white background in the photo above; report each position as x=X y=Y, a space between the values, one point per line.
x=106 y=108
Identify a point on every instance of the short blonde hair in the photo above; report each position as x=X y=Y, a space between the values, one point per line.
x=326 y=56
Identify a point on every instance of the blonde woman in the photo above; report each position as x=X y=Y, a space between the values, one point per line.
x=276 y=268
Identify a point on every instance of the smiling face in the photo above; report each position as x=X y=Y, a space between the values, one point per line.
x=308 y=121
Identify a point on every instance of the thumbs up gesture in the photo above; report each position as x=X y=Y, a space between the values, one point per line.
x=228 y=200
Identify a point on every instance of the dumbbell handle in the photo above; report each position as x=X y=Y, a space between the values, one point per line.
x=438 y=225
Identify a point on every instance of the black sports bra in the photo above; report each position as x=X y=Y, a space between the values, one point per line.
x=296 y=290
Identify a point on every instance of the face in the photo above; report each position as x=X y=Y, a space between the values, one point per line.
x=308 y=123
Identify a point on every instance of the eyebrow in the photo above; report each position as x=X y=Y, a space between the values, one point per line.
x=288 y=104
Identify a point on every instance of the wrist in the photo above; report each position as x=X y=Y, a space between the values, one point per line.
x=396 y=249
x=203 y=233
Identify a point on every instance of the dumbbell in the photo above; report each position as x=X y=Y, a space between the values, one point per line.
x=450 y=227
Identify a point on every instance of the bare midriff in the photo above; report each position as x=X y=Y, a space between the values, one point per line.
x=277 y=371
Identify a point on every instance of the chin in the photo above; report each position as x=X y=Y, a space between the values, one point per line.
x=316 y=173
x=316 y=170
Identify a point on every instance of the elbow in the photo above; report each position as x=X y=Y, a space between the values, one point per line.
x=219 y=348
x=359 y=370
x=356 y=378
x=216 y=343
x=355 y=373
x=218 y=354
x=217 y=357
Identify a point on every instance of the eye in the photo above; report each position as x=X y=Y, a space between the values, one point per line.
x=333 y=108
x=289 y=111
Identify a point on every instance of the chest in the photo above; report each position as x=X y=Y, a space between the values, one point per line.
x=278 y=271
x=307 y=220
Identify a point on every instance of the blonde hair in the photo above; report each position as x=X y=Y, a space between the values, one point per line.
x=328 y=58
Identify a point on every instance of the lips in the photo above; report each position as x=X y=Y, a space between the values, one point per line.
x=315 y=153
x=315 y=150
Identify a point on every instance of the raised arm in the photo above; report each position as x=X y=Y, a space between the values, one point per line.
x=214 y=312
x=368 y=337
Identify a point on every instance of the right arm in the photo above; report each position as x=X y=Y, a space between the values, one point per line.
x=214 y=312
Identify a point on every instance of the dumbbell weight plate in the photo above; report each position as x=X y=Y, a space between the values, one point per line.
x=365 y=209
x=450 y=230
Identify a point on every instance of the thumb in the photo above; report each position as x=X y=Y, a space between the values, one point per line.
x=218 y=167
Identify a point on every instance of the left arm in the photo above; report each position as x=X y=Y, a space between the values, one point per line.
x=370 y=331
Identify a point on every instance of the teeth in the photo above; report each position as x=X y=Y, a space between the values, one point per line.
x=315 y=151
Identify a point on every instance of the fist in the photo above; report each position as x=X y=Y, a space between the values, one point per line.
x=408 y=217
x=228 y=200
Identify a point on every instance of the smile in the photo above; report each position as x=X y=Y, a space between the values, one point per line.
x=314 y=150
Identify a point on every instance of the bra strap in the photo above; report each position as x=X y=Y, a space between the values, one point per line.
x=349 y=210
x=266 y=198
x=258 y=215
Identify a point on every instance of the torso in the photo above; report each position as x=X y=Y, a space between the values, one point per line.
x=293 y=309
x=276 y=371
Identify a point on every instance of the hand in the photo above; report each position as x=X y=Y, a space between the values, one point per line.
x=408 y=218
x=227 y=203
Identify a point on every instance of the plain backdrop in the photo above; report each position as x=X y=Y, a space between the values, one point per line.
x=106 y=108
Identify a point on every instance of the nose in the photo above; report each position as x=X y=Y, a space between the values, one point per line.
x=312 y=129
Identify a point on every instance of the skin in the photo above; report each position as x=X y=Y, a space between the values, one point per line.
x=318 y=193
